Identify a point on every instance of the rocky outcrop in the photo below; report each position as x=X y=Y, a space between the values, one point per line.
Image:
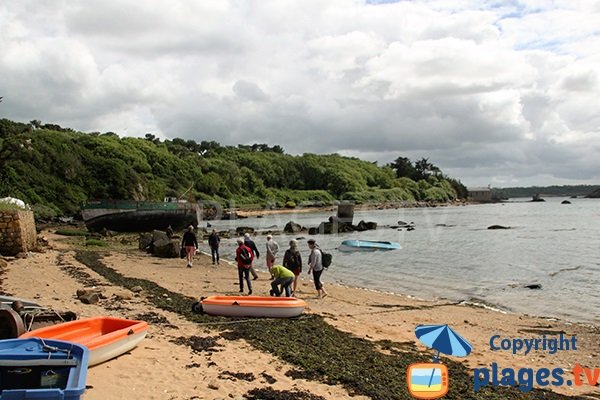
x=335 y=226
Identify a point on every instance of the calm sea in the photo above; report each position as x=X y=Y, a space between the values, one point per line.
x=452 y=255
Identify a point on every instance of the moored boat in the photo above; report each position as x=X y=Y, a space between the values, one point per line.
x=253 y=306
x=106 y=337
x=368 y=245
x=139 y=216
x=42 y=369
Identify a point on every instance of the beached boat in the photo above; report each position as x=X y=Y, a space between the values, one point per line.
x=42 y=369
x=368 y=245
x=253 y=306
x=106 y=337
x=139 y=216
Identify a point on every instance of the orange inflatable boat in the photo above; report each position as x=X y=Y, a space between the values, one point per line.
x=253 y=306
x=105 y=337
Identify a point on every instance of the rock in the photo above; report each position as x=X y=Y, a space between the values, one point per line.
x=158 y=236
x=371 y=225
x=292 y=227
x=565 y=202
x=89 y=298
x=533 y=286
x=242 y=230
x=166 y=248
x=326 y=228
x=136 y=289
x=144 y=241
x=498 y=227
x=3 y=264
x=313 y=231
x=122 y=296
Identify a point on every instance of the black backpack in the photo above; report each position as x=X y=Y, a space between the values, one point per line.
x=326 y=259
x=245 y=257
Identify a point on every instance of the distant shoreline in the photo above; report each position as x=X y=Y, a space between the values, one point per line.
x=253 y=212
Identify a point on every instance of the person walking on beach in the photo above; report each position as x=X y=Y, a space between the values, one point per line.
x=284 y=278
x=244 y=258
x=292 y=260
x=213 y=241
x=272 y=249
x=250 y=244
x=315 y=265
x=190 y=243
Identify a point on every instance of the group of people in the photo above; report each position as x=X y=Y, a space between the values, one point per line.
x=284 y=276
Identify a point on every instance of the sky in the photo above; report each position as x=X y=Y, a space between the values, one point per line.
x=500 y=93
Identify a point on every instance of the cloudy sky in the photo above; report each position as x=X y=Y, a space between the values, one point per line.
x=505 y=93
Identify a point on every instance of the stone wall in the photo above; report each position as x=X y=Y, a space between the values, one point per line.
x=17 y=232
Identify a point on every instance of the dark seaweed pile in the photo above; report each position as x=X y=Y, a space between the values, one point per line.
x=199 y=343
x=272 y=394
x=321 y=352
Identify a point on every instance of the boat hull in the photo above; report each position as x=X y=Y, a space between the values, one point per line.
x=253 y=306
x=367 y=245
x=44 y=370
x=132 y=216
x=105 y=337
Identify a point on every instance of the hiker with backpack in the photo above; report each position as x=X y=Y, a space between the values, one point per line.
x=292 y=260
x=244 y=258
x=315 y=265
x=254 y=250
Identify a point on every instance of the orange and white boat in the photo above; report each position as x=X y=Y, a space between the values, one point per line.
x=253 y=306
x=105 y=337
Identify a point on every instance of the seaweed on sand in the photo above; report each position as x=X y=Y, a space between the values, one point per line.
x=198 y=343
x=272 y=394
x=321 y=352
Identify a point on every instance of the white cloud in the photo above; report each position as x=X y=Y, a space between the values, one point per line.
x=490 y=92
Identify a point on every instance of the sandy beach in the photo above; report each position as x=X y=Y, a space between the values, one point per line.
x=164 y=366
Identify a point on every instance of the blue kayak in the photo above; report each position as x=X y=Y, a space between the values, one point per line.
x=42 y=369
x=368 y=245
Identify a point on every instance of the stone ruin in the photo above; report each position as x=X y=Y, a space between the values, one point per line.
x=17 y=232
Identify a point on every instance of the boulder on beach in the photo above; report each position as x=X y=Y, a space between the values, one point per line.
x=292 y=227
x=159 y=244
x=565 y=202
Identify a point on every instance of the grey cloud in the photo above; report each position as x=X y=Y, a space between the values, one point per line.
x=249 y=91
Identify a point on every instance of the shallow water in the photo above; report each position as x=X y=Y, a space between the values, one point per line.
x=451 y=254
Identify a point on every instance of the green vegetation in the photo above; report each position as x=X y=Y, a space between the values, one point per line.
x=320 y=351
x=57 y=169
x=95 y=242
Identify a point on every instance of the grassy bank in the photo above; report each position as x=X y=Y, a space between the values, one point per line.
x=317 y=350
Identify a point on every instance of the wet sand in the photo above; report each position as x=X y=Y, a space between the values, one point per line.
x=164 y=366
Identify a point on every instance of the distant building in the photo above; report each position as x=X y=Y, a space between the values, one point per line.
x=481 y=195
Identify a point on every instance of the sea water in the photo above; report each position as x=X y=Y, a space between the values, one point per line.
x=452 y=255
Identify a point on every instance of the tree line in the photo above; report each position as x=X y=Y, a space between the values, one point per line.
x=58 y=169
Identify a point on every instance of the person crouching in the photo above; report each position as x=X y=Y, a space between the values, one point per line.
x=284 y=278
